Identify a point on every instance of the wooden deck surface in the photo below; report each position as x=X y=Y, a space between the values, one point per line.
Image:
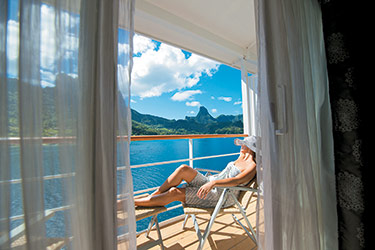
x=225 y=233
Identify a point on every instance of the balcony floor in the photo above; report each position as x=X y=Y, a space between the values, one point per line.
x=225 y=233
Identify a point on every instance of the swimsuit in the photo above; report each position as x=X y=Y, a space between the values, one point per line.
x=191 y=198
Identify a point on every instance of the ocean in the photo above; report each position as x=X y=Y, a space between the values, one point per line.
x=141 y=152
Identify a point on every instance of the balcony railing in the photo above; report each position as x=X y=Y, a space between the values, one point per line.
x=191 y=159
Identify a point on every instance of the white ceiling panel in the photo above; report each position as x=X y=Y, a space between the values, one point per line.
x=218 y=29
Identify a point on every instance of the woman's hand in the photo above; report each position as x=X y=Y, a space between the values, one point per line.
x=205 y=189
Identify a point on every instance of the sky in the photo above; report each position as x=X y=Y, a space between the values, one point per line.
x=173 y=83
x=166 y=81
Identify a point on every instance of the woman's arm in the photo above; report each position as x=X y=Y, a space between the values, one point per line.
x=243 y=177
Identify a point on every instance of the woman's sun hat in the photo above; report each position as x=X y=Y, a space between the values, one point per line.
x=249 y=142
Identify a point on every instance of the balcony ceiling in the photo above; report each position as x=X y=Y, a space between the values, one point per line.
x=221 y=30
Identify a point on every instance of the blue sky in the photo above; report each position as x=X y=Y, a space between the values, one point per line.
x=173 y=83
x=166 y=81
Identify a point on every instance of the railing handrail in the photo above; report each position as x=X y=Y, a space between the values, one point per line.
x=176 y=161
x=176 y=137
x=70 y=139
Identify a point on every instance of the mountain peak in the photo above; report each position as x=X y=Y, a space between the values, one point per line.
x=203 y=111
x=204 y=116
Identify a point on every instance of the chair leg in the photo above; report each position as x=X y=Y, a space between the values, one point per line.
x=234 y=218
x=249 y=225
x=185 y=220
x=245 y=229
x=154 y=219
x=213 y=217
x=202 y=238
x=253 y=236
x=151 y=224
x=196 y=227
x=159 y=233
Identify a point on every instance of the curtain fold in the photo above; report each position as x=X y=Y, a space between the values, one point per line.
x=297 y=208
x=30 y=123
x=127 y=238
x=60 y=118
x=4 y=144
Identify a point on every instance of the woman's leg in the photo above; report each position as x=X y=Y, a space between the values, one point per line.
x=183 y=172
x=173 y=194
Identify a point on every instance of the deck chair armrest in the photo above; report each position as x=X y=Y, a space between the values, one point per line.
x=240 y=188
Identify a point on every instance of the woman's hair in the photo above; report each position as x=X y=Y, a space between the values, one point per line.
x=254 y=156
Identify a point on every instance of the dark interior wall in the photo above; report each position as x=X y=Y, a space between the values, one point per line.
x=347 y=37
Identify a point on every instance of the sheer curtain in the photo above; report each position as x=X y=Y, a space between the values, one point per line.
x=61 y=110
x=297 y=205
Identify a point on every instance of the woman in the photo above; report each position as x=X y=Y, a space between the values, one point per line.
x=200 y=190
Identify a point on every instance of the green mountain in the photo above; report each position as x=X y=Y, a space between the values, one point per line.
x=142 y=124
x=48 y=112
x=202 y=123
x=202 y=117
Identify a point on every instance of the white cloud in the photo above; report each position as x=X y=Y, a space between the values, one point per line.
x=193 y=104
x=67 y=42
x=123 y=48
x=12 y=39
x=123 y=79
x=237 y=103
x=185 y=95
x=162 y=70
x=142 y=44
x=46 y=84
x=226 y=99
x=47 y=76
x=12 y=48
x=73 y=75
x=213 y=110
x=48 y=34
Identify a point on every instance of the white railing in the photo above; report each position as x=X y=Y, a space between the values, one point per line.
x=191 y=159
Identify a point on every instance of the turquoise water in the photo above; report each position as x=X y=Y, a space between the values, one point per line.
x=141 y=152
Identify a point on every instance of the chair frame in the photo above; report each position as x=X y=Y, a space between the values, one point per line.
x=159 y=241
x=203 y=237
x=146 y=212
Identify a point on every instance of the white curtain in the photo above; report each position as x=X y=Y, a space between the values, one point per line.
x=297 y=206
x=62 y=106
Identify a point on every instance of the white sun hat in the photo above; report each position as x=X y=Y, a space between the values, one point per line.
x=249 y=142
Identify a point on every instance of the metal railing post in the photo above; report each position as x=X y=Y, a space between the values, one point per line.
x=191 y=152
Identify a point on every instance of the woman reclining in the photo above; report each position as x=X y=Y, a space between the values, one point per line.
x=200 y=190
